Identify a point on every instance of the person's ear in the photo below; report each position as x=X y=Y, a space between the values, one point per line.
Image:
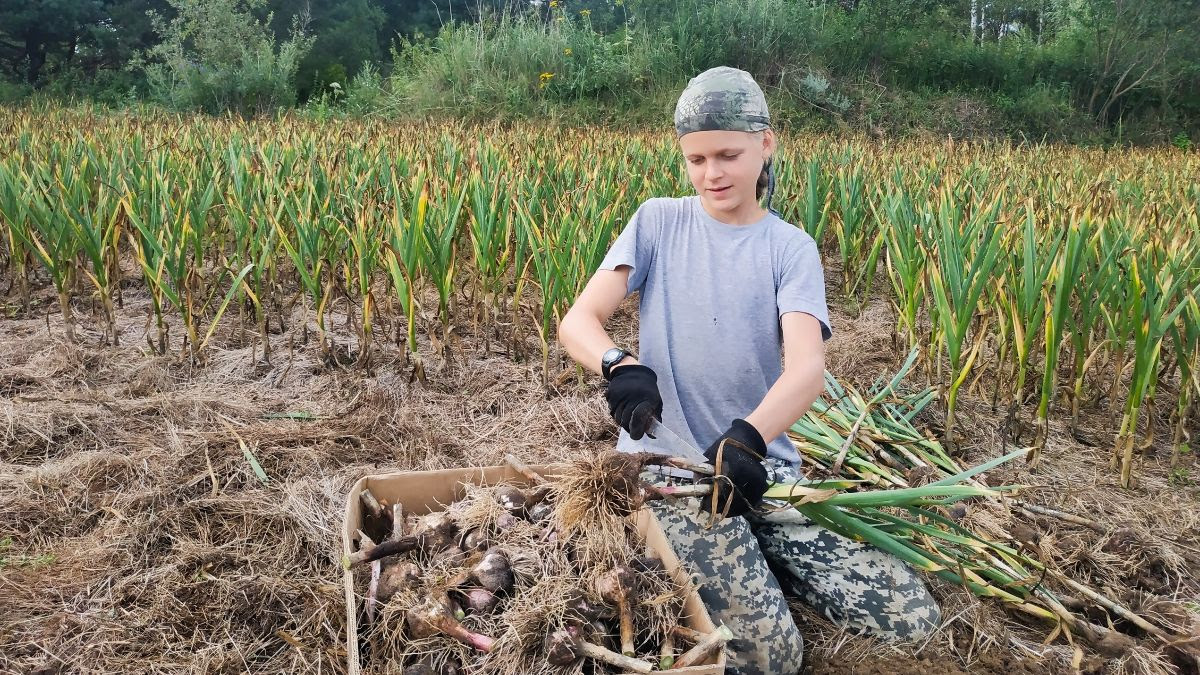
x=769 y=143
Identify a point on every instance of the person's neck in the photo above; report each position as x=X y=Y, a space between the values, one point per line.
x=747 y=215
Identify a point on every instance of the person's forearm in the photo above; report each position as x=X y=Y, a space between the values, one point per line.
x=789 y=398
x=585 y=340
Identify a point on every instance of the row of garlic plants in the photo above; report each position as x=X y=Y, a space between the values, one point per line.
x=1057 y=275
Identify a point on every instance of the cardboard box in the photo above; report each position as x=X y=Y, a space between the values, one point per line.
x=422 y=492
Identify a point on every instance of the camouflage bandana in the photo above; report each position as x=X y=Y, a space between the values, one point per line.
x=721 y=99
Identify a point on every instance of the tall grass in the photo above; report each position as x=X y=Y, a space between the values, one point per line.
x=524 y=66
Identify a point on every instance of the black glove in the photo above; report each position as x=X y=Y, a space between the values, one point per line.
x=746 y=474
x=633 y=398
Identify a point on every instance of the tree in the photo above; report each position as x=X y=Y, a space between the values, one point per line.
x=1132 y=45
x=125 y=29
x=32 y=30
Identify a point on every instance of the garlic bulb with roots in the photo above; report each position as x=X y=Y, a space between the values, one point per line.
x=511 y=498
x=475 y=540
x=494 y=572
x=616 y=587
x=435 y=615
x=480 y=600
x=564 y=647
x=397 y=576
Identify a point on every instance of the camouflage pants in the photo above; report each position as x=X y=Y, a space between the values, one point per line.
x=851 y=583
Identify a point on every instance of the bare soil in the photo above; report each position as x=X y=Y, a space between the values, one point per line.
x=135 y=535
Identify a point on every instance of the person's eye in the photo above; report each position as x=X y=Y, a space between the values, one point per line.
x=731 y=155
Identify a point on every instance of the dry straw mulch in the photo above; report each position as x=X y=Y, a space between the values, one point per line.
x=135 y=535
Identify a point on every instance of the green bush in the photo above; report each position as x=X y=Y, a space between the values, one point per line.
x=334 y=72
x=366 y=93
x=1041 y=111
x=558 y=62
x=12 y=92
x=820 y=67
x=524 y=65
x=72 y=85
x=765 y=37
x=216 y=57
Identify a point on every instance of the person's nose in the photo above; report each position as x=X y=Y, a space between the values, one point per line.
x=714 y=172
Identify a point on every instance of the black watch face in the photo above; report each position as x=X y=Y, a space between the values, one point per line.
x=613 y=356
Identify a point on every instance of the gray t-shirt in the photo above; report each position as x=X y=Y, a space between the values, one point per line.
x=711 y=298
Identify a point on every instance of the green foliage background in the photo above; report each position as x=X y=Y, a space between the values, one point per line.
x=1091 y=71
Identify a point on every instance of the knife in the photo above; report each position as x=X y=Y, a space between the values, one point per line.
x=670 y=441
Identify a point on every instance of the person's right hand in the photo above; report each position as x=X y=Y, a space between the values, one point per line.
x=633 y=398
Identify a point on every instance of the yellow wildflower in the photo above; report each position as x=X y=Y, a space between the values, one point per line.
x=567 y=51
x=585 y=12
x=553 y=4
x=544 y=79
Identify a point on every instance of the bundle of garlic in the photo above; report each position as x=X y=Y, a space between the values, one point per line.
x=541 y=577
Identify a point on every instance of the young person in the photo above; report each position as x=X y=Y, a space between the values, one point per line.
x=727 y=290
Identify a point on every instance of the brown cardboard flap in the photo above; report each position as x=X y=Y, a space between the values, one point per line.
x=422 y=492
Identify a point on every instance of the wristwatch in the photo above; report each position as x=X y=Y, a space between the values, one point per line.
x=611 y=358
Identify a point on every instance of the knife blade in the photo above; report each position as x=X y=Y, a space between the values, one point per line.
x=670 y=441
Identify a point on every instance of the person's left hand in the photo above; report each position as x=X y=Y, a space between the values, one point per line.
x=738 y=456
